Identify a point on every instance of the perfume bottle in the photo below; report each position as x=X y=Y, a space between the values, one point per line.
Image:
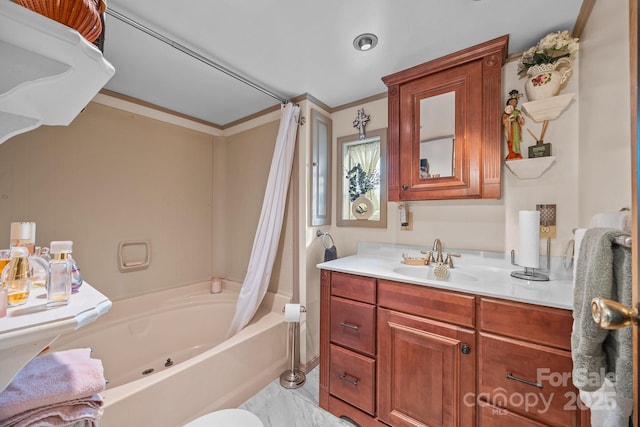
x=60 y=268
x=76 y=277
x=24 y=234
x=16 y=276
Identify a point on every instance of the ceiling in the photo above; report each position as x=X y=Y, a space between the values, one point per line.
x=293 y=47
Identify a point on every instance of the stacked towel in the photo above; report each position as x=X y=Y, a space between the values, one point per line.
x=58 y=389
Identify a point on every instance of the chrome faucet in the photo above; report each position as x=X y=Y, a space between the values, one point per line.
x=437 y=247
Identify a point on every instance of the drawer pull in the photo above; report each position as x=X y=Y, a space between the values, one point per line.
x=349 y=379
x=510 y=376
x=346 y=325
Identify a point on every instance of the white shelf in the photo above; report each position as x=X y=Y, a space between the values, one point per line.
x=48 y=71
x=29 y=328
x=547 y=108
x=530 y=168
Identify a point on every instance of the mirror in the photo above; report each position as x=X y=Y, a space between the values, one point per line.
x=362 y=189
x=444 y=126
x=437 y=136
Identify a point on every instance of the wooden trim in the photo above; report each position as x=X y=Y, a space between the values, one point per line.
x=635 y=232
x=157 y=107
x=497 y=46
x=583 y=17
x=359 y=102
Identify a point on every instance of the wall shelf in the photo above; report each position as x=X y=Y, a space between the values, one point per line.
x=547 y=108
x=530 y=168
x=28 y=329
x=48 y=71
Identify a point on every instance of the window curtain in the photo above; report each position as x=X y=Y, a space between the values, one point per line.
x=368 y=155
x=265 y=243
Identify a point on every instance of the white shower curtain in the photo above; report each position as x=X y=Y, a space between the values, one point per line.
x=265 y=243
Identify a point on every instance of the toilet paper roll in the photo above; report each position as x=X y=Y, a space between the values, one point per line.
x=529 y=239
x=292 y=312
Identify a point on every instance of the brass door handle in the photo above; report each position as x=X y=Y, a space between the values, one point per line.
x=611 y=314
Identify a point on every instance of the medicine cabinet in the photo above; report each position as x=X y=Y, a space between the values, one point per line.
x=445 y=139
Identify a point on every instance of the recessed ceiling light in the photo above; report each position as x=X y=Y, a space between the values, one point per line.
x=365 y=41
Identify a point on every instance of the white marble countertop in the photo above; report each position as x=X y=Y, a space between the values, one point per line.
x=476 y=272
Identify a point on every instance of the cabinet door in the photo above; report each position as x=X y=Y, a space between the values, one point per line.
x=425 y=371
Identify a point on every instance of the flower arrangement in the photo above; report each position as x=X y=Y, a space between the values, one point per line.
x=361 y=182
x=549 y=49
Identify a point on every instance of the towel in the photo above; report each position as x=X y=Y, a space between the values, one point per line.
x=62 y=377
x=620 y=220
x=604 y=269
x=330 y=254
x=77 y=413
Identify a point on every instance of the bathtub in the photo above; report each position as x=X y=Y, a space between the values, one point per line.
x=166 y=359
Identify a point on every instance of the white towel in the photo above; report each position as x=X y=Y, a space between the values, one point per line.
x=620 y=220
x=577 y=242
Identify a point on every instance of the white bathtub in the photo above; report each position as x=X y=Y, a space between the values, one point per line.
x=185 y=329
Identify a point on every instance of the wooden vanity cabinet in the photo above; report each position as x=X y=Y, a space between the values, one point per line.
x=425 y=366
x=525 y=365
x=348 y=346
x=406 y=355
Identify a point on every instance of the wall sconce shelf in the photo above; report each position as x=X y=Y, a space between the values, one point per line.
x=530 y=168
x=547 y=108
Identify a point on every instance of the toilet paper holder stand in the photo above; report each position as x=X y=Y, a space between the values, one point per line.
x=531 y=273
x=294 y=377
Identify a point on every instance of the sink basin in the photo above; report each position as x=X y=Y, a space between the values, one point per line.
x=426 y=273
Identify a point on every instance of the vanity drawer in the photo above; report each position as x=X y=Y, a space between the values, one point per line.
x=352 y=325
x=544 y=325
x=493 y=416
x=451 y=307
x=352 y=378
x=353 y=287
x=529 y=379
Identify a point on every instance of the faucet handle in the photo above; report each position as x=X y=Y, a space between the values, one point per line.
x=428 y=257
x=449 y=261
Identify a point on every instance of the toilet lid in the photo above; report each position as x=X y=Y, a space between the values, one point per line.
x=227 y=417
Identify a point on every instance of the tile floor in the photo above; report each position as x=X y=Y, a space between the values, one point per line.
x=277 y=406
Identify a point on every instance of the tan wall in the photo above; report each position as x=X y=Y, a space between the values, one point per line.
x=605 y=154
x=121 y=176
x=113 y=176
x=248 y=160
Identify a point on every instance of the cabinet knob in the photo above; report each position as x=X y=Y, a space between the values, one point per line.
x=405 y=187
x=465 y=349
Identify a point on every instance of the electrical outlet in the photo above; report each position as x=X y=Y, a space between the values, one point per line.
x=547 y=221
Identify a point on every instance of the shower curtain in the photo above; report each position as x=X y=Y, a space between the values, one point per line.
x=265 y=243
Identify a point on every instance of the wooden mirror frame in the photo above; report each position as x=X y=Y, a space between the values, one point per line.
x=475 y=74
x=381 y=221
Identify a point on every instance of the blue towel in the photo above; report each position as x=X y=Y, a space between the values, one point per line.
x=330 y=254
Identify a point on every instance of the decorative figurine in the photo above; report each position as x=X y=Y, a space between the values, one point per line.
x=360 y=122
x=512 y=120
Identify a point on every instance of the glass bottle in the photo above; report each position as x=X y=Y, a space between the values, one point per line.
x=76 y=277
x=16 y=276
x=60 y=268
x=24 y=234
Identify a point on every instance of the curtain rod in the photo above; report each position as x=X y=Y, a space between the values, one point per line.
x=193 y=54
